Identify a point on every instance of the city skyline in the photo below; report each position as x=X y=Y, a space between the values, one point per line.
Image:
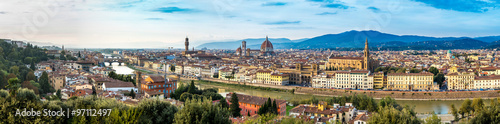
x=162 y=24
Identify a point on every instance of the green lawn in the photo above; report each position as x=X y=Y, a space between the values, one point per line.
x=288 y=108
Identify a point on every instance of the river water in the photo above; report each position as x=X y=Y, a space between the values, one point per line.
x=120 y=69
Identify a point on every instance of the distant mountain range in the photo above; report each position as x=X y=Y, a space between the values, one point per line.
x=356 y=39
x=252 y=43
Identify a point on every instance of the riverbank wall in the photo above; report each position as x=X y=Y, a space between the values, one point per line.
x=399 y=95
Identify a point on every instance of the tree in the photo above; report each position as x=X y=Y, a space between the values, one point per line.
x=28 y=60
x=274 y=107
x=433 y=70
x=32 y=66
x=291 y=120
x=434 y=119
x=414 y=70
x=132 y=93
x=14 y=70
x=401 y=70
x=466 y=107
x=192 y=88
x=44 y=83
x=155 y=111
x=264 y=109
x=223 y=103
x=265 y=118
x=390 y=115
x=58 y=93
x=201 y=111
x=487 y=116
x=454 y=112
x=439 y=78
x=94 y=92
x=30 y=76
x=477 y=105
x=112 y=74
x=234 y=108
x=172 y=68
x=13 y=86
x=29 y=85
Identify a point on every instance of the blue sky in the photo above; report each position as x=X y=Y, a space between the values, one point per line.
x=165 y=23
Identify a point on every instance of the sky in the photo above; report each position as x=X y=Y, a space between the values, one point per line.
x=165 y=23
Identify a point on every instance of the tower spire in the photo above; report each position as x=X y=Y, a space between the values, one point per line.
x=367 y=56
x=366 y=42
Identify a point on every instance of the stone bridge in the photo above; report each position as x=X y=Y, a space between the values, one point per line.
x=110 y=60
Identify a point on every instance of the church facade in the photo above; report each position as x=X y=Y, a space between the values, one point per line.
x=352 y=63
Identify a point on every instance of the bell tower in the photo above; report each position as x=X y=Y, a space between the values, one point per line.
x=244 y=47
x=187 y=43
x=366 y=63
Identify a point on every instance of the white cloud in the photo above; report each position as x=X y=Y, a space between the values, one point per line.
x=117 y=23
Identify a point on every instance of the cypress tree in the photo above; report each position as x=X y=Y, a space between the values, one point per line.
x=132 y=93
x=192 y=88
x=275 y=107
x=234 y=108
x=32 y=66
x=223 y=103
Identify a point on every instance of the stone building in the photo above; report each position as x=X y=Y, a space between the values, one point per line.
x=410 y=81
x=352 y=63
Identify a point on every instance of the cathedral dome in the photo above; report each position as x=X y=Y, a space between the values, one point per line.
x=266 y=45
x=239 y=49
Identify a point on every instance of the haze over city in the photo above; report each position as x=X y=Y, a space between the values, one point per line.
x=161 y=24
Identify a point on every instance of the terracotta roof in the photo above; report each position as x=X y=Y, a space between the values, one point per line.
x=411 y=74
x=362 y=117
x=255 y=100
x=352 y=71
x=489 y=68
x=156 y=78
x=491 y=77
x=118 y=83
x=355 y=58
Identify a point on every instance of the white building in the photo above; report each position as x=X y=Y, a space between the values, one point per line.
x=323 y=81
x=117 y=85
x=487 y=82
x=353 y=79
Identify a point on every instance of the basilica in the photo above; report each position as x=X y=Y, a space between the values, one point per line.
x=352 y=63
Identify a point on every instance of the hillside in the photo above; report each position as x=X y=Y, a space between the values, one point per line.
x=356 y=39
